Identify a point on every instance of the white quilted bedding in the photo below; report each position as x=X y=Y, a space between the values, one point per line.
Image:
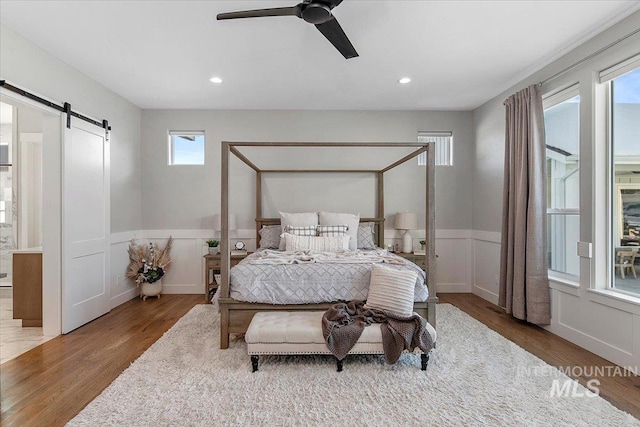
x=276 y=277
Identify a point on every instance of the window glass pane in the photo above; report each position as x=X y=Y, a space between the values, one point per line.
x=625 y=191
x=562 y=132
x=187 y=149
x=563 y=231
x=443 y=152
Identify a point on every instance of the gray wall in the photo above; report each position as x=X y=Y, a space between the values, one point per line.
x=187 y=197
x=28 y=66
x=489 y=121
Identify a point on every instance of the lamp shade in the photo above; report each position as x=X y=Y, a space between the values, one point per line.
x=217 y=222
x=406 y=221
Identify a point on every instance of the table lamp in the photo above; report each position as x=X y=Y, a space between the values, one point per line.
x=406 y=221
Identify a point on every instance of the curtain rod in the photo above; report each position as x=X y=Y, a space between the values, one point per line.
x=583 y=60
x=66 y=108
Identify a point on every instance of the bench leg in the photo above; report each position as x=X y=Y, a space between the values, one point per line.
x=424 y=359
x=339 y=363
x=254 y=362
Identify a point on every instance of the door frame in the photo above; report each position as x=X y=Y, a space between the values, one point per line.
x=52 y=126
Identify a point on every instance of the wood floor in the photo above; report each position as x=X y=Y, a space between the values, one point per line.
x=50 y=384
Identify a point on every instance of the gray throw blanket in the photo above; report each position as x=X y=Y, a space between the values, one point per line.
x=343 y=324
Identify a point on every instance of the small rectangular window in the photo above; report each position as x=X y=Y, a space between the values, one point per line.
x=186 y=147
x=444 y=152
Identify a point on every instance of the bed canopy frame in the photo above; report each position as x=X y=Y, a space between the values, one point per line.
x=235 y=316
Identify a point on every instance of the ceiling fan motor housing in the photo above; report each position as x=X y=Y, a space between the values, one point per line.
x=316 y=13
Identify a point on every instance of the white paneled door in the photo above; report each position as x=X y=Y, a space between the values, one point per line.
x=85 y=224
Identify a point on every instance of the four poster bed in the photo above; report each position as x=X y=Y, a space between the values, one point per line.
x=237 y=308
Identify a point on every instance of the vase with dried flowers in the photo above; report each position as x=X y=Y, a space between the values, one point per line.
x=147 y=265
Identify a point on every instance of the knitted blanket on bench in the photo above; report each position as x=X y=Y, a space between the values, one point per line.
x=343 y=324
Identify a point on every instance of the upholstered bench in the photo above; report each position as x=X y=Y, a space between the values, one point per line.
x=300 y=332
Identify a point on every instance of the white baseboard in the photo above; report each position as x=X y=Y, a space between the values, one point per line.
x=455 y=288
x=485 y=294
x=124 y=297
x=184 y=289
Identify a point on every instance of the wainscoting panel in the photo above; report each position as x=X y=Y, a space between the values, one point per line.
x=603 y=324
x=606 y=331
x=122 y=289
x=184 y=273
x=455 y=260
x=614 y=327
x=186 y=276
x=486 y=266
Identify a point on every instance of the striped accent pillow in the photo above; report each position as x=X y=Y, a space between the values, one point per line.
x=316 y=243
x=392 y=290
x=332 y=230
x=307 y=230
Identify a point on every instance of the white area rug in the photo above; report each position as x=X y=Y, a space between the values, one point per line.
x=475 y=377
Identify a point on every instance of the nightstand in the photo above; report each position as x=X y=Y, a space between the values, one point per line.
x=211 y=268
x=419 y=260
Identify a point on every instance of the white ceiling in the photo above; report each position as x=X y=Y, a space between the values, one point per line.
x=160 y=54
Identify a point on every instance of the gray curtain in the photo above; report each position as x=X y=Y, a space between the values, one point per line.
x=524 y=286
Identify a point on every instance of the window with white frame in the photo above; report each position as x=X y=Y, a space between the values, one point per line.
x=443 y=143
x=186 y=147
x=562 y=132
x=623 y=82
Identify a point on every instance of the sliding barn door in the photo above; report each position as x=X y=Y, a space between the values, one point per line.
x=85 y=225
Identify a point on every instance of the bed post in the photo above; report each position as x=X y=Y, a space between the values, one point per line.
x=258 y=204
x=224 y=246
x=380 y=207
x=430 y=231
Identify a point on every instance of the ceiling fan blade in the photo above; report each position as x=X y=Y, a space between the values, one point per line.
x=276 y=11
x=333 y=32
x=334 y=3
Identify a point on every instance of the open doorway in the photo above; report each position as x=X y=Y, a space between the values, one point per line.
x=7 y=232
x=23 y=130
x=73 y=207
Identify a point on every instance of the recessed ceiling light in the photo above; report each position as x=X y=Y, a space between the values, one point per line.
x=216 y=80
x=404 y=80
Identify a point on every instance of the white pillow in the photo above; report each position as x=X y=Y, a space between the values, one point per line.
x=296 y=220
x=329 y=218
x=392 y=290
x=316 y=243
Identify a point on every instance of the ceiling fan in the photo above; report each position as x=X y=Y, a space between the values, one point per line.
x=317 y=12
